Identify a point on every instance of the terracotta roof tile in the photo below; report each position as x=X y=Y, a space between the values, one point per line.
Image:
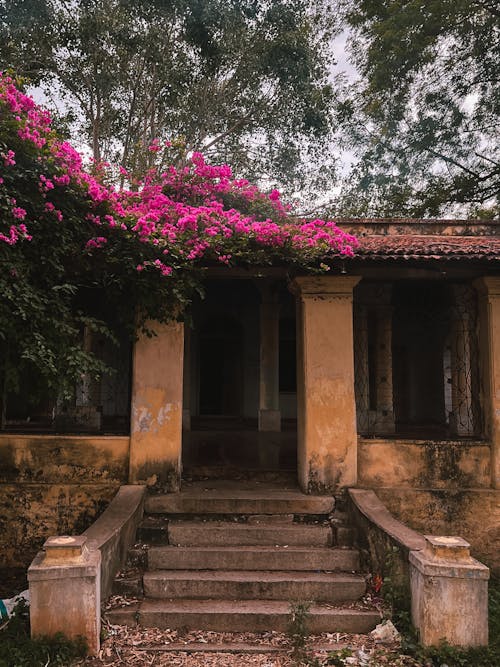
x=414 y=246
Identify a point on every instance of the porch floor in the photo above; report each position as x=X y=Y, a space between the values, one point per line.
x=223 y=496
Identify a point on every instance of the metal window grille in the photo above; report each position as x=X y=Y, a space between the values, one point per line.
x=416 y=361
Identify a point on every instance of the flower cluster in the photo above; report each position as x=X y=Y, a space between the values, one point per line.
x=179 y=218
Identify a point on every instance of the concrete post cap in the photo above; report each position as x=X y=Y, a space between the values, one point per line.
x=450 y=548
x=65 y=548
x=447 y=556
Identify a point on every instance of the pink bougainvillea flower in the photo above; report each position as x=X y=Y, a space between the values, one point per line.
x=9 y=158
x=18 y=212
x=179 y=212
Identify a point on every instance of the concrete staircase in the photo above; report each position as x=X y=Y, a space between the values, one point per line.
x=235 y=556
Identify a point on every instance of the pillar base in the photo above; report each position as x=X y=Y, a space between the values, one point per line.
x=449 y=591
x=65 y=591
x=269 y=420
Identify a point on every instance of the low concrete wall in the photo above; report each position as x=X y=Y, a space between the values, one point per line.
x=424 y=464
x=434 y=576
x=54 y=485
x=72 y=575
x=114 y=532
x=385 y=542
x=438 y=487
x=471 y=513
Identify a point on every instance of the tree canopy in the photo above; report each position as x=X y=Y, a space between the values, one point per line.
x=77 y=253
x=424 y=116
x=245 y=81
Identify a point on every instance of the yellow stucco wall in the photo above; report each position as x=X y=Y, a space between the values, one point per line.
x=473 y=514
x=326 y=411
x=156 y=424
x=489 y=339
x=423 y=464
x=52 y=485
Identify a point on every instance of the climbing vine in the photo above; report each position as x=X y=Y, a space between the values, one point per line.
x=78 y=251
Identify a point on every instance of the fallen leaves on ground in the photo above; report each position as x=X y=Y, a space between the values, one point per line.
x=136 y=646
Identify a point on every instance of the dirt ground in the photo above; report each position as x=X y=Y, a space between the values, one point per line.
x=138 y=646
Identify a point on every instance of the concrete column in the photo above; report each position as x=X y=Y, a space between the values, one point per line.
x=89 y=393
x=489 y=350
x=449 y=593
x=461 y=421
x=156 y=420
x=383 y=371
x=326 y=410
x=65 y=591
x=374 y=388
x=86 y=414
x=269 y=407
x=361 y=371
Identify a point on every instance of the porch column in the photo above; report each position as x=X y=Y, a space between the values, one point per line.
x=361 y=370
x=87 y=411
x=156 y=421
x=384 y=390
x=326 y=410
x=489 y=347
x=461 y=421
x=269 y=407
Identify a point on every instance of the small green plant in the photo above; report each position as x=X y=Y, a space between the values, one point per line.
x=338 y=658
x=298 y=631
x=444 y=654
x=17 y=649
x=394 y=593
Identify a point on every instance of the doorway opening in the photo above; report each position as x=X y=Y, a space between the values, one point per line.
x=222 y=384
x=221 y=367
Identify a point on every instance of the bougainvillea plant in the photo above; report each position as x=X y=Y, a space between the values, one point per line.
x=77 y=251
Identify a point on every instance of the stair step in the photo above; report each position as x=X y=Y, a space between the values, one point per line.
x=252 y=558
x=248 y=585
x=220 y=533
x=241 y=616
x=222 y=500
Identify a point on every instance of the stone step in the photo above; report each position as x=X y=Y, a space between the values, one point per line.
x=241 y=616
x=252 y=558
x=228 y=500
x=251 y=585
x=220 y=533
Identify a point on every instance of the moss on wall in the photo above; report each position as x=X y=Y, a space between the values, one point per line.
x=473 y=514
x=53 y=485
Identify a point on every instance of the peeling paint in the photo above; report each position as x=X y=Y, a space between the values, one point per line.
x=143 y=420
x=164 y=414
x=156 y=441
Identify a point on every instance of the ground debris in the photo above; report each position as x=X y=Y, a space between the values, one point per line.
x=137 y=646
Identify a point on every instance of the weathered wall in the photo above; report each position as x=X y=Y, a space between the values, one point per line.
x=473 y=514
x=156 y=423
x=52 y=485
x=326 y=410
x=424 y=464
x=438 y=488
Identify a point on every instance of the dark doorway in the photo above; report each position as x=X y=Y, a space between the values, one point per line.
x=221 y=367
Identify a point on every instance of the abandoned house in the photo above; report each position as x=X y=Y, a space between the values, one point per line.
x=382 y=374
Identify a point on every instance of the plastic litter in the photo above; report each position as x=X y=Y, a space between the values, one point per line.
x=7 y=606
x=385 y=633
